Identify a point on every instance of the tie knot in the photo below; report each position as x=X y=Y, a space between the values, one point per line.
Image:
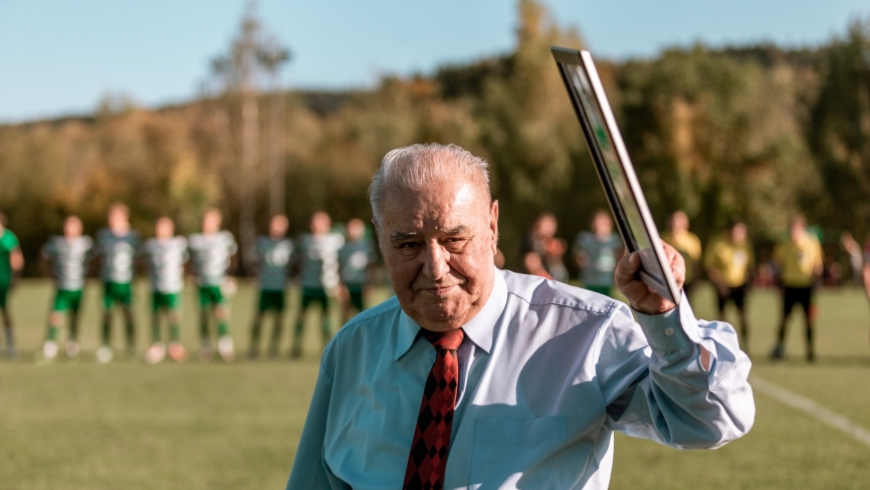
x=445 y=340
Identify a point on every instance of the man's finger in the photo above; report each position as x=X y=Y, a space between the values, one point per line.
x=627 y=268
x=676 y=263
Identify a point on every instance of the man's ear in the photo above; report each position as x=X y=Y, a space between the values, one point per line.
x=377 y=236
x=493 y=224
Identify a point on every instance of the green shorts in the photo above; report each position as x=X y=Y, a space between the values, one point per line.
x=355 y=291
x=67 y=299
x=4 y=293
x=170 y=301
x=122 y=292
x=314 y=295
x=271 y=300
x=605 y=290
x=210 y=295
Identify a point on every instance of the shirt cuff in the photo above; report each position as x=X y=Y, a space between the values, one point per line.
x=672 y=332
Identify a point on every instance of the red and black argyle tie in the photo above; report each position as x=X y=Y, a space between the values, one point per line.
x=428 y=458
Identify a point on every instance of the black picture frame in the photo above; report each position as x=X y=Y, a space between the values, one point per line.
x=615 y=170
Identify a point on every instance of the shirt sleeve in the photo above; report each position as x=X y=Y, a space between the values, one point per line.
x=657 y=386
x=13 y=242
x=697 y=249
x=309 y=468
x=232 y=245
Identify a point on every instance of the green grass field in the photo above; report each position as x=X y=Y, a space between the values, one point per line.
x=79 y=425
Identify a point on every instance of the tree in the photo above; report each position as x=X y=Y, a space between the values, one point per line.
x=239 y=73
x=839 y=132
x=718 y=137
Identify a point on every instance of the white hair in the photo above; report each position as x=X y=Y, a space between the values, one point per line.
x=419 y=166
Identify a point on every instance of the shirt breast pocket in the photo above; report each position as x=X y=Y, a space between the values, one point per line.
x=504 y=447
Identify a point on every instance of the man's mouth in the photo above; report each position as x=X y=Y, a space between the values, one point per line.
x=440 y=290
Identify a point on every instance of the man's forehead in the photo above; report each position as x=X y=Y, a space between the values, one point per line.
x=444 y=207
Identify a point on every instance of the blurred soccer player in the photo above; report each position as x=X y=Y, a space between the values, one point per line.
x=542 y=241
x=356 y=258
x=212 y=252
x=799 y=260
x=534 y=266
x=166 y=255
x=11 y=263
x=66 y=256
x=596 y=253
x=274 y=252
x=867 y=267
x=856 y=262
x=499 y=259
x=687 y=243
x=729 y=261
x=116 y=251
x=318 y=252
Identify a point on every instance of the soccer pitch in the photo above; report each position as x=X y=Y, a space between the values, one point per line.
x=79 y=425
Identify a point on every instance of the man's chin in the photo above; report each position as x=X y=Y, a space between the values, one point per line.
x=441 y=317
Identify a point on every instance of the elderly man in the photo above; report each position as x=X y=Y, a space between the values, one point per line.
x=472 y=377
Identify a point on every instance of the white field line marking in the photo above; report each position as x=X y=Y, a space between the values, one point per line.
x=811 y=408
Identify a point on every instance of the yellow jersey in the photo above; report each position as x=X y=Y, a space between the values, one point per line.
x=798 y=261
x=689 y=246
x=733 y=261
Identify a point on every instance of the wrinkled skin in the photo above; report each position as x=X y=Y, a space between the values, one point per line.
x=438 y=244
x=640 y=296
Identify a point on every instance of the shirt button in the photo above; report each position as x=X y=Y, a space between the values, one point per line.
x=669 y=331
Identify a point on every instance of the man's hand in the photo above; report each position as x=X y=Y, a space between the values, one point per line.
x=640 y=296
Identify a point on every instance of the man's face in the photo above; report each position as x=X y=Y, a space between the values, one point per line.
x=679 y=222
x=355 y=230
x=211 y=222
x=438 y=245
x=72 y=227
x=797 y=230
x=164 y=228
x=278 y=226
x=118 y=221
x=601 y=225
x=320 y=223
x=546 y=226
x=738 y=233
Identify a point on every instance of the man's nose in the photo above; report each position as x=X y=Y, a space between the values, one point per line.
x=435 y=262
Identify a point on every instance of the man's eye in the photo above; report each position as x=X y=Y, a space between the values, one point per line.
x=408 y=246
x=453 y=242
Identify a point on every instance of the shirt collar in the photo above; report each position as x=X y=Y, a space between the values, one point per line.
x=479 y=329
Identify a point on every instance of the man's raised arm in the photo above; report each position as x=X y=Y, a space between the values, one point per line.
x=670 y=377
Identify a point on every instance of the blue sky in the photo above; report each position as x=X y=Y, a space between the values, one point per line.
x=60 y=57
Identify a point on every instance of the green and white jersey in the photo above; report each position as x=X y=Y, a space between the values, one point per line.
x=118 y=254
x=274 y=258
x=68 y=257
x=166 y=259
x=355 y=258
x=601 y=257
x=319 y=256
x=8 y=243
x=211 y=256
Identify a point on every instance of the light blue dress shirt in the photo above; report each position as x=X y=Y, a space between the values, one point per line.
x=547 y=373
